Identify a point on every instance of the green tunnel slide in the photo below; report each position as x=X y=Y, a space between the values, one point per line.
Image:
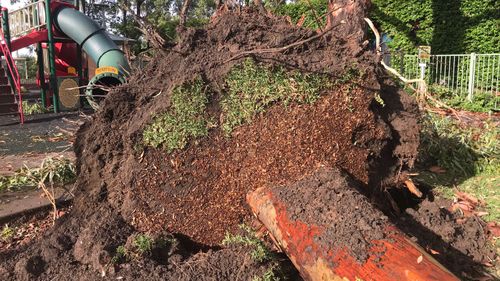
x=112 y=66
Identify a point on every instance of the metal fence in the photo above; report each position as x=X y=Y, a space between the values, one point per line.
x=466 y=74
x=22 y=66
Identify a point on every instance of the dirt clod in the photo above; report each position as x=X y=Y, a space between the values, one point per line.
x=28 y=268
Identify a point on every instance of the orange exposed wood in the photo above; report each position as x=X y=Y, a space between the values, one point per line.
x=396 y=258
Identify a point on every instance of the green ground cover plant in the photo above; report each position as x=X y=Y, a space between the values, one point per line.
x=184 y=120
x=7 y=233
x=481 y=102
x=143 y=243
x=252 y=88
x=260 y=252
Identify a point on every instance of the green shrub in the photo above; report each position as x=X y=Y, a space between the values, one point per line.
x=252 y=88
x=184 y=120
x=33 y=108
x=450 y=27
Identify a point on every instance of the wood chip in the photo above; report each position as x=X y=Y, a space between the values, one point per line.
x=467 y=197
x=413 y=189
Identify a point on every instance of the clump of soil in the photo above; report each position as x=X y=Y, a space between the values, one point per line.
x=198 y=193
x=329 y=199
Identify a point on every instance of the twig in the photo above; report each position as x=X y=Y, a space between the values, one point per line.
x=67 y=132
x=50 y=196
x=280 y=49
x=330 y=11
x=315 y=14
x=147 y=29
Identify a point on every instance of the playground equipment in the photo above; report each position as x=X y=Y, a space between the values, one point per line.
x=57 y=26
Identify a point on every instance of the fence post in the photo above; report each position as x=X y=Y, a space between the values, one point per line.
x=402 y=67
x=422 y=86
x=472 y=72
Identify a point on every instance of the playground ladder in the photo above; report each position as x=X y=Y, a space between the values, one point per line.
x=26 y=19
x=12 y=68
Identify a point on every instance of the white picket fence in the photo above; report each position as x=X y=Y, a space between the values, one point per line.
x=464 y=74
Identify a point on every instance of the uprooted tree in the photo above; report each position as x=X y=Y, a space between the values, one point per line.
x=249 y=101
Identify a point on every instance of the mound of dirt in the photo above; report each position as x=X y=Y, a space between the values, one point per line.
x=198 y=193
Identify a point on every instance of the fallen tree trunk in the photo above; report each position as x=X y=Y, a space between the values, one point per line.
x=319 y=253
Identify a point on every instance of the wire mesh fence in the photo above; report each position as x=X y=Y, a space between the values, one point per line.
x=466 y=75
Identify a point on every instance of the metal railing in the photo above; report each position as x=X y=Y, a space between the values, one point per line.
x=14 y=74
x=463 y=74
x=26 y=19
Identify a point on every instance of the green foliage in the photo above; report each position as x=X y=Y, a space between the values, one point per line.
x=33 y=108
x=7 y=233
x=161 y=14
x=260 y=252
x=184 y=120
x=51 y=171
x=454 y=26
x=481 y=102
x=349 y=75
x=252 y=88
x=269 y=275
x=463 y=151
x=448 y=26
x=120 y=256
x=143 y=243
x=314 y=11
x=469 y=155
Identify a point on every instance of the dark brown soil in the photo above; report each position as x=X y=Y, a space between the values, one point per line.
x=460 y=243
x=329 y=199
x=198 y=193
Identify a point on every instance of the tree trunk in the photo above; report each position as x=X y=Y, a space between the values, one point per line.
x=124 y=12
x=138 y=7
x=400 y=260
x=183 y=13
